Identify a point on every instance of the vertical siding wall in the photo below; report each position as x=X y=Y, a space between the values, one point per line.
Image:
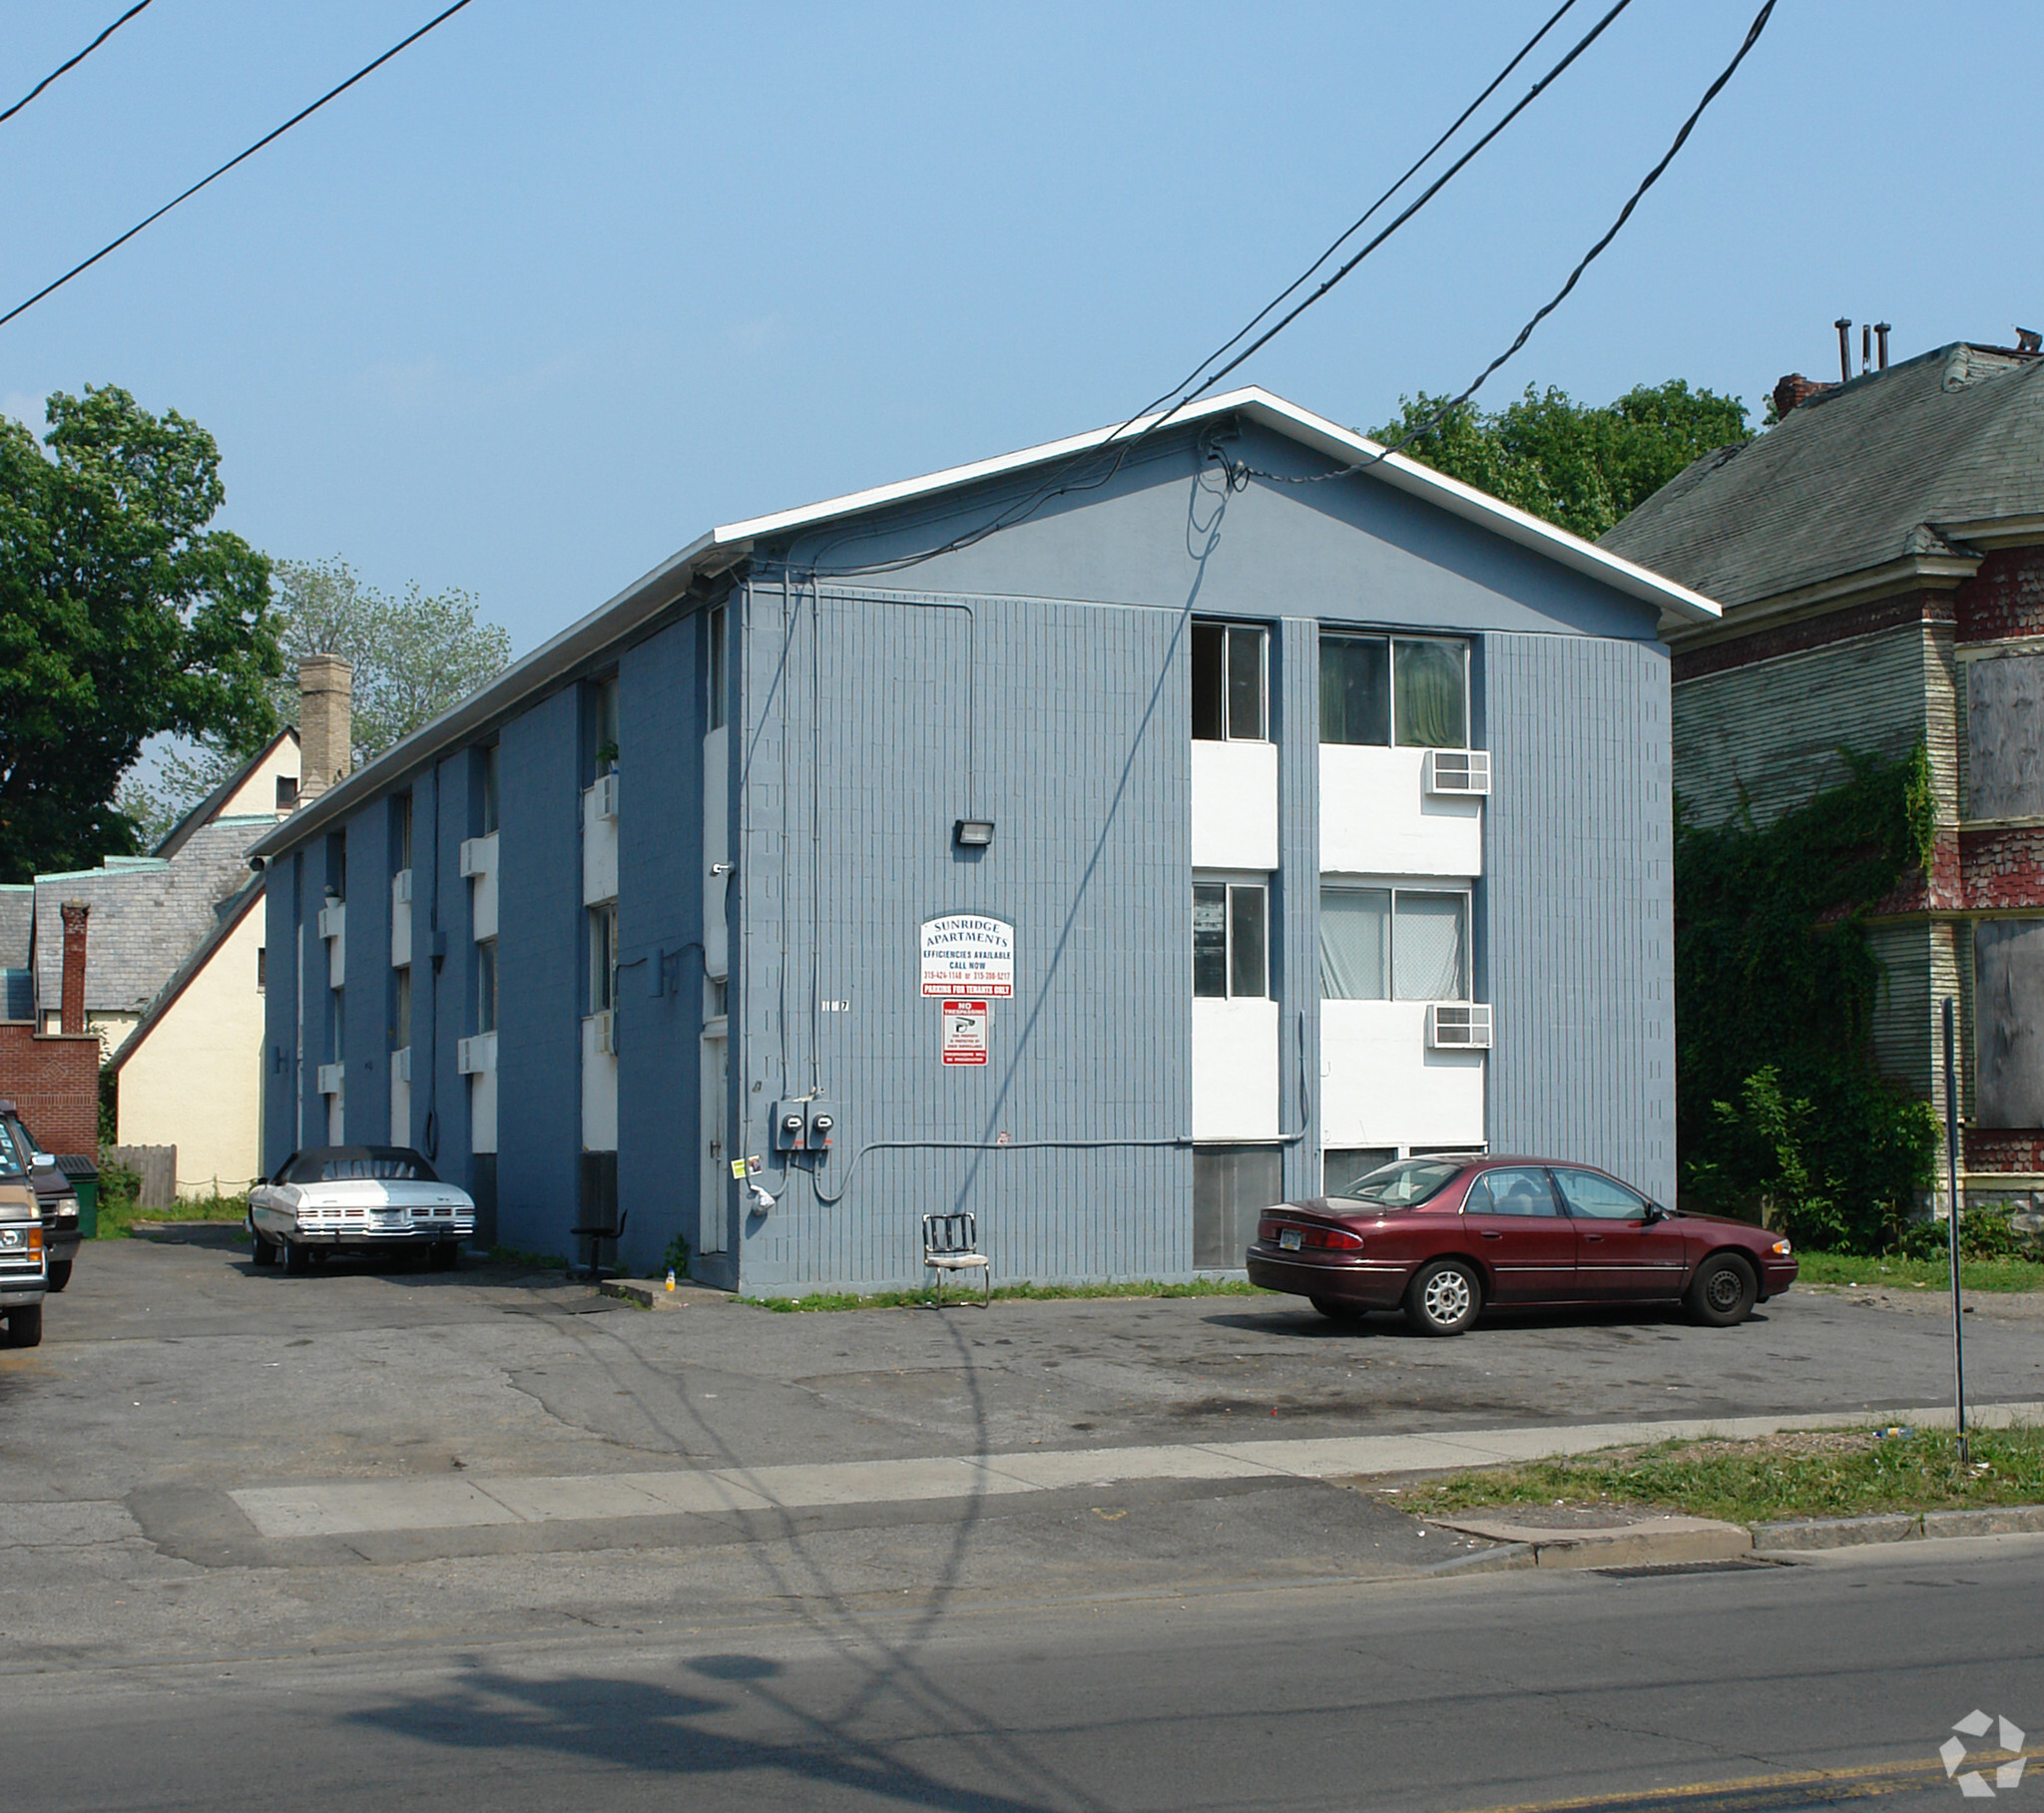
x=367 y=1036
x=1295 y=911
x=1079 y=724
x=1580 y=915
x=660 y=917
x=280 y=1084
x=455 y=817
x=539 y=975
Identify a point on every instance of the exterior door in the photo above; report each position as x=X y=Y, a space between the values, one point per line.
x=1619 y=1252
x=712 y=1218
x=1516 y=1227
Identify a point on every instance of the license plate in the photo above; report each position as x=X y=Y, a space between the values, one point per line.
x=1290 y=1238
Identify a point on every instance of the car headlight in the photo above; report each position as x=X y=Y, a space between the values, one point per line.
x=1782 y=1247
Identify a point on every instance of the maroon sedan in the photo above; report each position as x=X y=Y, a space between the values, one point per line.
x=1444 y=1236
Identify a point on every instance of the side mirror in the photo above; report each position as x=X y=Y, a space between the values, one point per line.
x=42 y=1160
x=1654 y=1212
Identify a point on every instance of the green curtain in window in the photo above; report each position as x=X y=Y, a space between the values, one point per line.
x=1427 y=678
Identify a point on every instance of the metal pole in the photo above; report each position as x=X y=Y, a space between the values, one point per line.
x=1951 y=1165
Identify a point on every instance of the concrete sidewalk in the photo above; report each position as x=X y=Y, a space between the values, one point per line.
x=442 y=1503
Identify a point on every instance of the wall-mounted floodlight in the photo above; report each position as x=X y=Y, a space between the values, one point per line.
x=974 y=833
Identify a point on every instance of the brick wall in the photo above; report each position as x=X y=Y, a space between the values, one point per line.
x=2005 y=598
x=54 y=1081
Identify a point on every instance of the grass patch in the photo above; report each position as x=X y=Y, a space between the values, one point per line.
x=1929 y=1274
x=1813 y=1473
x=532 y=1262
x=1005 y=1293
x=118 y=1215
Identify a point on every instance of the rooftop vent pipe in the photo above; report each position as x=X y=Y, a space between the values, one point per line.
x=1845 y=327
x=1880 y=334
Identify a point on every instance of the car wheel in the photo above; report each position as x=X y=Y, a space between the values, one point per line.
x=266 y=1250
x=1444 y=1297
x=1723 y=1291
x=297 y=1259
x=60 y=1273
x=25 y=1326
x=1337 y=1311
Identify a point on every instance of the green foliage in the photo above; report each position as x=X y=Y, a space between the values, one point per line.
x=412 y=659
x=1779 y=1107
x=1893 y=1271
x=1984 y=1233
x=121 y=616
x=677 y=1257
x=1572 y=463
x=110 y=1104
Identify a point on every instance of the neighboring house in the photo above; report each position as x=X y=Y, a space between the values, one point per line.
x=1880 y=557
x=50 y=1074
x=1230 y=822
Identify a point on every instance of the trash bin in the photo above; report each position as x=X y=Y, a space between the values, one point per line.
x=83 y=1177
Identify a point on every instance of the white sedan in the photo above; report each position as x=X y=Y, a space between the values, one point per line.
x=334 y=1197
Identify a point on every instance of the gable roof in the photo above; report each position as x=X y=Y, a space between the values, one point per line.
x=209 y=808
x=1895 y=469
x=230 y=914
x=725 y=547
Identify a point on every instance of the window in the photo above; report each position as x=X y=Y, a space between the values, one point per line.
x=286 y=792
x=1511 y=1190
x=1229 y=682
x=336 y=1039
x=1599 y=1197
x=1383 y=689
x=489 y=789
x=400 y=833
x=602 y=728
x=336 y=864
x=261 y=971
x=486 y=986
x=603 y=957
x=718 y=674
x=400 y=1009
x=1229 y=957
x=1384 y=944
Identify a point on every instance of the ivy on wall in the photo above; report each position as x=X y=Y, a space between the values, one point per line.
x=1779 y=1110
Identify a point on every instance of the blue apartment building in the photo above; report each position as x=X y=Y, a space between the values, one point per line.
x=1110 y=838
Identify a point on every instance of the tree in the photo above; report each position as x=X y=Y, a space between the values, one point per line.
x=1577 y=465
x=413 y=657
x=121 y=616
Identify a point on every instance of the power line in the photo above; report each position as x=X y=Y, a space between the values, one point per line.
x=1061 y=484
x=267 y=138
x=1625 y=214
x=74 y=62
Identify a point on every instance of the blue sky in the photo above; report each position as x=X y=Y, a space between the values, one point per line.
x=563 y=286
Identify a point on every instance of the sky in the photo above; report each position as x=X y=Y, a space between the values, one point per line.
x=563 y=286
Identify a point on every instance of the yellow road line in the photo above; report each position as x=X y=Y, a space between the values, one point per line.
x=1758 y=1792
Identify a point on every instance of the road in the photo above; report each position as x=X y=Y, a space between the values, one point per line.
x=1502 y=1690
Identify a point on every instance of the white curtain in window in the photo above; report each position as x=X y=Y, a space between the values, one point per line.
x=1355 y=928
x=1429 y=945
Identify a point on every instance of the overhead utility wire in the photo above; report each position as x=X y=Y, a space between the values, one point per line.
x=267 y=139
x=1625 y=214
x=74 y=62
x=1059 y=485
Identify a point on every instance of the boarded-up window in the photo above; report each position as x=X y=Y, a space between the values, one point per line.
x=2008 y=978
x=2005 y=737
x=1232 y=1186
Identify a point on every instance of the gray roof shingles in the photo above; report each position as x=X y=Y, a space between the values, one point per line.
x=1852 y=479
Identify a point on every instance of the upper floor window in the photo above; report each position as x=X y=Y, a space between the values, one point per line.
x=489 y=789
x=336 y=864
x=717 y=669
x=1384 y=944
x=1382 y=690
x=486 y=986
x=602 y=728
x=1230 y=682
x=1231 y=946
x=603 y=957
x=400 y=1009
x=286 y=792
x=400 y=831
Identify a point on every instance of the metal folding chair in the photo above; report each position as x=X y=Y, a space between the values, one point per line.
x=950 y=1243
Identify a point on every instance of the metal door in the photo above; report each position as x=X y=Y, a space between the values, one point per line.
x=713 y=1218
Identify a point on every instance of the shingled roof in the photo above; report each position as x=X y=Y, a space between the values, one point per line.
x=1893 y=465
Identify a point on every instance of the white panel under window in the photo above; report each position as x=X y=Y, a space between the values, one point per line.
x=1429 y=939
x=715 y=851
x=479 y=863
x=1234 y=806
x=400 y=919
x=1235 y=1069
x=1378 y=816
x=1380 y=1084
x=599 y=1090
x=599 y=843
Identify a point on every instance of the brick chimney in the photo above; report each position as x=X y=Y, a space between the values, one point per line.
x=1794 y=389
x=75 y=913
x=325 y=723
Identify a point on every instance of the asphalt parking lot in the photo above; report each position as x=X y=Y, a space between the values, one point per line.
x=174 y=1376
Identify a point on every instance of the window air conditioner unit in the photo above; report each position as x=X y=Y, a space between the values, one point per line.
x=607 y=1032
x=1458 y=1026
x=400 y=887
x=333 y=916
x=476 y=1055
x=329 y=1077
x=1465 y=771
x=475 y=857
x=400 y=1064
x=605 y=790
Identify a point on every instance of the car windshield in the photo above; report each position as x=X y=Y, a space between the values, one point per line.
x=1404 y=1183
x=346 y=1163
x=12 y=1153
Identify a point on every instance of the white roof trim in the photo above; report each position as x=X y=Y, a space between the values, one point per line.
x=617 y=618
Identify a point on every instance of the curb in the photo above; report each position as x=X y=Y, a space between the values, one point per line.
x=1804 y=1533
x=653 y=1293
x=1651 y=1544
